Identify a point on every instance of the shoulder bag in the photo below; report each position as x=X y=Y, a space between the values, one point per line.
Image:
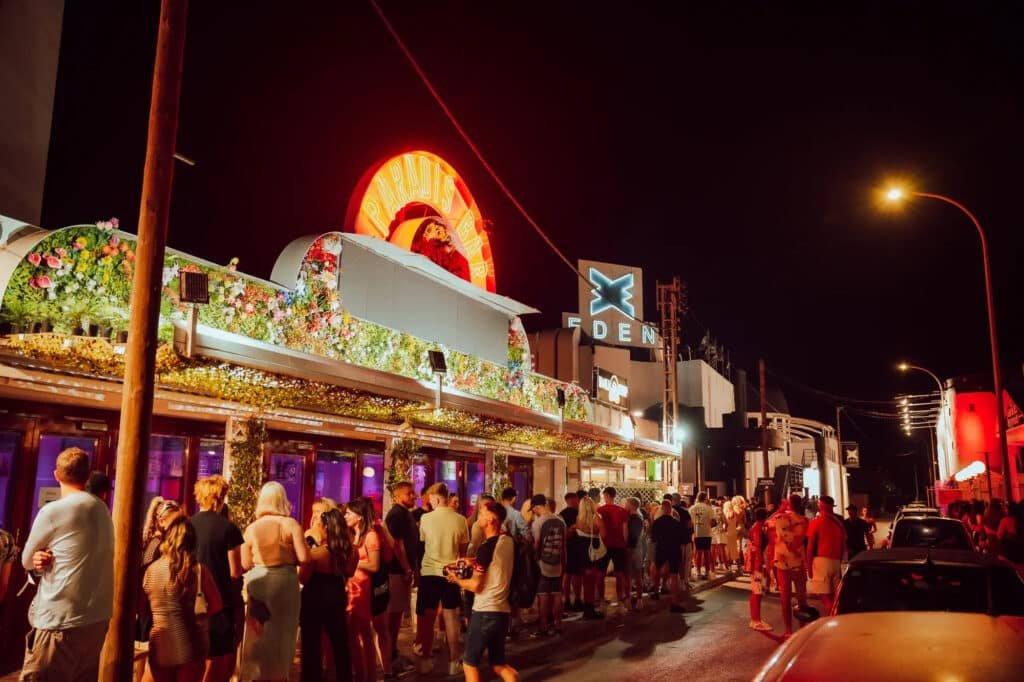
x=201 y=605
x=596 y=549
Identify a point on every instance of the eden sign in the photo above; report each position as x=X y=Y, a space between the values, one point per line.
x=612 y=306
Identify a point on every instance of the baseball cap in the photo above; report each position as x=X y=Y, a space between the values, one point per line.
x=538 y=501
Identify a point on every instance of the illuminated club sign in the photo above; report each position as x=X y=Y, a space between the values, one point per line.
x=417 y=201
x=611 y=389
x=611 y=306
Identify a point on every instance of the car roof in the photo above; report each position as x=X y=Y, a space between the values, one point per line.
x=903 y=645
x=929 y=519
x=923 y=555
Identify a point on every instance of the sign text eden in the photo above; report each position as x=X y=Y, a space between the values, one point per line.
x=621 y=332
x=611 y=301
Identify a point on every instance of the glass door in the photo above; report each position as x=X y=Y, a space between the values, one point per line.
x=476 y=478
x=334 y=475
x=289 y=470
x=521 y=475
x=9 y=441
x=373 y=481
x=47 y=489
x=165 y=476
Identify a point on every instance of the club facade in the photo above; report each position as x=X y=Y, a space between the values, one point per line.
x=320 y=377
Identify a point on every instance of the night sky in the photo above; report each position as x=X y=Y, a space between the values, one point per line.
x=738 y=148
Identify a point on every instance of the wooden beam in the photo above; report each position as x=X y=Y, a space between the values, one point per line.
x=137 y=397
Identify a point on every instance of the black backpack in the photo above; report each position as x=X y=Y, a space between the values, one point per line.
x=525 y=576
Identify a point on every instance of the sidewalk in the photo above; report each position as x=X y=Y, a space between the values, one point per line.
x=575 y=630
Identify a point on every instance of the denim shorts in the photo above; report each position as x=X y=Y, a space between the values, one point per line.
x=487 y=630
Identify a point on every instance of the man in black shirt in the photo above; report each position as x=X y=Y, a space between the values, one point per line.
x=572 y=577
x=401 y=568
x=857 y=530
x=667 y=534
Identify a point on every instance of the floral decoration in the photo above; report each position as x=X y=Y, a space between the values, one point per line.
x=402 y=454
x=81 y=276
x=98 y=357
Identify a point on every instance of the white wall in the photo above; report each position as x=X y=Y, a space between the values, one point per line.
x=699 y=385
x=376 y=289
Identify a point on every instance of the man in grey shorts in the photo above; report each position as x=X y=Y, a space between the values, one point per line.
x=549 y=535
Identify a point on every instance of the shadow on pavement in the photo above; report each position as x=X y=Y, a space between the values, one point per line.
x=660 y=629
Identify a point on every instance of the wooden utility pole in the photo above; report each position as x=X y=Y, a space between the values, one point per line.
x=140 y=359
x=763 y=390
x=839 y=452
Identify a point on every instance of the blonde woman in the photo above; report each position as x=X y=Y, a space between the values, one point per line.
x=159 y=517
x=316 y=534
x=219 y=549
x=584 y=542
x=273 y=547
x=733 y=527
x=179 y=641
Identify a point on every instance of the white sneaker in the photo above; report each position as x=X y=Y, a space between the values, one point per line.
x=455 y=668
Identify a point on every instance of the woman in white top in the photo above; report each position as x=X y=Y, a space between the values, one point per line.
x=274 y=547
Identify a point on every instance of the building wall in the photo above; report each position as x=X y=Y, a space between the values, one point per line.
x=30 y=33
x=701 y=386
x=974 y=430
x=376 y=289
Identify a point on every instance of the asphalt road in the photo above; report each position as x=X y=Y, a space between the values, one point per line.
x=711 y=643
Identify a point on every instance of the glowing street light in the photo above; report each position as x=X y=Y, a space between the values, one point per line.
x=896 y=194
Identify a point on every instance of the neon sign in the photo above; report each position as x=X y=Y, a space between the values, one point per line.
x=611 y=293
x=417 y=201
x=612 y=306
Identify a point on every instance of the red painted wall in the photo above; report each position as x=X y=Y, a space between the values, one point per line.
x=976 y=430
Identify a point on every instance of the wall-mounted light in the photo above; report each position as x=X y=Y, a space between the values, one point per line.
x=439 y=367
x=368 y=472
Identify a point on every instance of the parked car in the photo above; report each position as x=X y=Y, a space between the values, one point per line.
x=930 y=531
x=920 y=579
x=900 y=646
x=912 y=509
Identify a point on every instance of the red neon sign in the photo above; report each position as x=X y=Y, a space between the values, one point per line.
x=417 y=201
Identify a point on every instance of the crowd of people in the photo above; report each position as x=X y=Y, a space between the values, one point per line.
x=996 y=528
x=215 y=597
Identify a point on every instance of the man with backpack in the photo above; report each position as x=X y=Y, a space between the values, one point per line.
x=490 y=581
x=549 y=534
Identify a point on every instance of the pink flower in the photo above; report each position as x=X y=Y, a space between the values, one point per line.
x=43 y=282
x=115 y=223
x=250 y=308
x=61 y=252
x=115 y=240
x=53 y=262
x=34 y=283
x=34 y=258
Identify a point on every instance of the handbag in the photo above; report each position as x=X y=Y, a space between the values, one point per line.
x=596 y=552
x=201 y=604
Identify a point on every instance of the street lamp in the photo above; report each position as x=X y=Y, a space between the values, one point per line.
x=906 y=367
x=897 y=194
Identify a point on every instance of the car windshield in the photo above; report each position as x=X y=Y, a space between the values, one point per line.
x=930 y=532
x=930 y=588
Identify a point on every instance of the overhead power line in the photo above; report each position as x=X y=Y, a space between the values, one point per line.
x=826 y=395
x=479 y=155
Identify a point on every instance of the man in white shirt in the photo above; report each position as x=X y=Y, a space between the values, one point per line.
x=702 y=519
x=70 y=550
x=446 y=537
x=492 y=574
